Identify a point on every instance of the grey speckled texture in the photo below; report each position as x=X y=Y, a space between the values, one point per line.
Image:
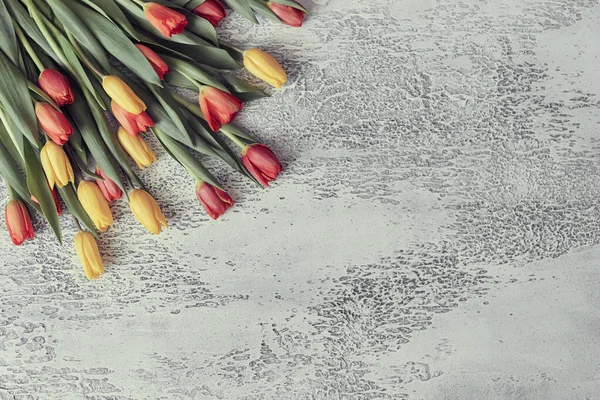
x=435 y=235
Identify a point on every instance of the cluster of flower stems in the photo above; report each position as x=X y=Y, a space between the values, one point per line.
x=67 y=65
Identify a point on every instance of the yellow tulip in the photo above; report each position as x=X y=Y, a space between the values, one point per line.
x=93 y=202
x=147 y=211
x=56 y=165
x=122 y=94
x=88 y=254
x=137 y=148
x=264 y=66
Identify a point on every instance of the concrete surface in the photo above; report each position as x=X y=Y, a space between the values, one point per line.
x=435 y=234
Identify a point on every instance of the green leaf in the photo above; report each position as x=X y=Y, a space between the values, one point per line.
x=183 y=156
x=243 y=8
x=68 y=194
x=66 y=14
x=38 y=187
x=166 y=100
x=8 y=37
x=9 y=168
x=292 y=3
x=262 y=9
x=118 y=44
x=77 y=68
x=41 y=94
x=176 y=78
x=14 y=96
x=22 y=18
x=242 y=89
x=193 y=71
x=111 y=10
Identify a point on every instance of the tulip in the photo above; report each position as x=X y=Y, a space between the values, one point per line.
x=122 y=94
x=288 y=15
x=95 y=205
x=159 y=65
x=168 y=21
x=54 y=123
x=88 y=254
x=212 y=11
x=56 y=86
x=56 y=165
x=214 y=200
x=110 y=190
x=132 y=123
x=218 y=107
x=56 y=201
x=137 y=148
x=146 y=211
x=264 y=66
x=18 y=222
x=261 y=162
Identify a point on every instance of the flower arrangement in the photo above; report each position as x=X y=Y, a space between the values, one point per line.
x=67 y=64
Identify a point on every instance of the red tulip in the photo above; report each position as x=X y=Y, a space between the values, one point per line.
x=214 y=200
x=168 y=21
x=56 y=201
x=212 y=11
x=288 y=15
x=57 y=86
x=54 y=123
x=261 y=162
x=218 y=107
x=18 y=222
x=159 y=65
x=109 y=188
x=133 y=124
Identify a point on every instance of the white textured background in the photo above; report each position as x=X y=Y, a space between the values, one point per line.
x=435 y=234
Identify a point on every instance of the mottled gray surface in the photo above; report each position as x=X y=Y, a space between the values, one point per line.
x=435 y=234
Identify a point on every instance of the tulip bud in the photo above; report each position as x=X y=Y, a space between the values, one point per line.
x=288 y=15
x=54 y=123
x=168 y=21
x=146 y=211
x=137 y=148
x=122 y=94
x=212 y=11
x=88 y=254
x=110 y=190
x=218 y=107
x=56 y=86
x=159 y=65
x=261 y=162
x=134 y=124
x=264 y=66
x=214 y=200
x=56 y=165
x=18 y=222
x=95 y=205
x=56 y=201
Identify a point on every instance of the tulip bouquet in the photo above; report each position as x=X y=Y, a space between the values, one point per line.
x=66 y=66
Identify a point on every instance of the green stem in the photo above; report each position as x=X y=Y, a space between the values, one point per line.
x=38 y=63
x=77 y=223
x=83 y=56
x=234 y=139
x=11 y=191
x=195 y=82
x=47 y=35
x=140 y=2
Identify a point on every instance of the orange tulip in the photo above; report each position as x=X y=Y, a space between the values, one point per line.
x=54 y=123
x=218 y=107
x=261 y=162
x=56 y=86
x=132 y=123
x=159 y=65
x=288 y=15
x=168 y=21
x=214 y=200
x=18 y=222
x=212 y=11
x=110 y=190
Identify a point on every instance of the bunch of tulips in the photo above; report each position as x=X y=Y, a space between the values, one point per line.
x=66 y=66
